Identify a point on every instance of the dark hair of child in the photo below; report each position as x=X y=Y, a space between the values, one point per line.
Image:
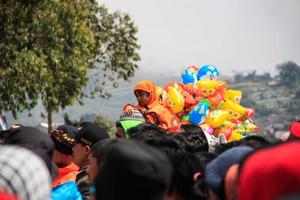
x=187 y=170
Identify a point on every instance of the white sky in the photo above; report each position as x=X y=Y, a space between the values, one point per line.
x=235 y=35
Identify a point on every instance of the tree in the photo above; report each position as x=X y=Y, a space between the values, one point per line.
x=49 y=48
x=289 y=75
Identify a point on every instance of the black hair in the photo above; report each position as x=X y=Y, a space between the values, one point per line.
x=145 y=131
x=195 y=138
x=98 y=147
x=185 y=166
x=167 y=143
x=205 y=157
x=254 y=141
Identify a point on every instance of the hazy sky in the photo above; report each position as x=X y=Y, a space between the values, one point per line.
x=232 y=34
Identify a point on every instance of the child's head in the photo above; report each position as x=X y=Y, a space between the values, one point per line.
x=127 y=121
x=145 y=93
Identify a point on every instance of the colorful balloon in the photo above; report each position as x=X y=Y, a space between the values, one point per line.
x=207 y=87
x=233 y=95
x=208 y=72
x=175 y=100
x=223 y=130
x=199 y=114
x=189 y=75
x=235 y=136
x=216 y=118
x=235 y=110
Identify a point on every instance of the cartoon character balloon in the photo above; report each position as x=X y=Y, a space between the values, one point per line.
x=216 y=118
x=233 y=95
x=235 y=110
x=199 y=114
x=208 y=72
x=189 y=75
x=207 y=87
x=175 y=100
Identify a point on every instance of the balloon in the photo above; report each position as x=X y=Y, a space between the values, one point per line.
x=233 y=95
x=199 y=114
x=175 y=100
x=223 y=130
x=221 y=86
x=207 y=87
x=215 y=100
x=189 y=75
x=160 y=94
x=207 y=128
x=235 y=110
x=208 y=72
x=247 y=127
x=235 y=136
x=216 y=118
x=249 y=113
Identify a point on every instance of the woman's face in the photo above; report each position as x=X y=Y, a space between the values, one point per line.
x=142 y=97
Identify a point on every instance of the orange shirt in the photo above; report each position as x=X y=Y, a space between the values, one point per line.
x=66 y=174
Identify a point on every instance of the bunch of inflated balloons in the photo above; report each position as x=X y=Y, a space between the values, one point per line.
x=202 y=99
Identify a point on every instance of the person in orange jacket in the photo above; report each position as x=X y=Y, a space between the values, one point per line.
x=149 y=106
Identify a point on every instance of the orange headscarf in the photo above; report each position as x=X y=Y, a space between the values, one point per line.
x=149 y=87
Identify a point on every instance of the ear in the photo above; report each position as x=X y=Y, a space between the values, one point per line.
x=88 y=149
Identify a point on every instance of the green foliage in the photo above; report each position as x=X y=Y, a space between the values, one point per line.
x=289 y=75
x=47 y=48
x=252 y=76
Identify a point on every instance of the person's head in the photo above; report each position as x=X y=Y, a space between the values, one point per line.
x=187 y=169
x=133 y=170
x=294 y=131
x=23 y=173
x=217 y=169
x=271 y=173
x=254 y=141
x=64 y=139
x=127 y=121
x=95 y=157
x=195 y=138
x=86 y=137
x=36 y=141
x=145 y=93
x=145 y=131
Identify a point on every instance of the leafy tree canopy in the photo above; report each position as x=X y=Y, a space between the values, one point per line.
x=50 y=48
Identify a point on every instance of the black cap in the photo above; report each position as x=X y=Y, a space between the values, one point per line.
x=90 y=134
x=64 y=138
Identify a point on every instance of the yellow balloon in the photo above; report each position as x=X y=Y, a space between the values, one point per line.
x=235 y=110
x=216 y=118
x=233 y=95
x=207 y=87
x=235 y=136
x=175 y=100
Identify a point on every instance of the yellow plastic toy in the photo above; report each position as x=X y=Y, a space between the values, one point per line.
x=235 y=110
x=207 y=87
x=216 y=118
x=175 y=100
x=233 y=95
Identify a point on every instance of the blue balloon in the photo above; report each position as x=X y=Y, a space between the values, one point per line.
x=208 y=72
x=199 y=113
x=188 y=76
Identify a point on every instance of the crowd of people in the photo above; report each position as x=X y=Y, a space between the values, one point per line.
x=146 y=159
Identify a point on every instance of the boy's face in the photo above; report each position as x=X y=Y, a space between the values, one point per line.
x=80 y=154
x=142 y=97
x=92 y=168
x=120 y=133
